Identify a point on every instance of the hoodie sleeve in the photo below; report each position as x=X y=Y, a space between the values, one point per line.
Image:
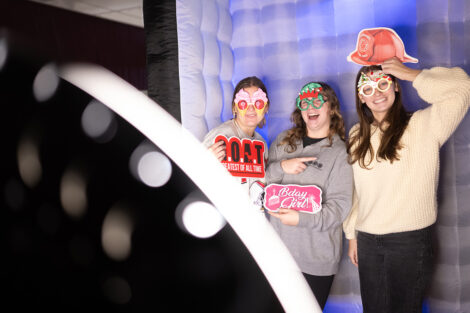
x=337 y=198
x=274 y=171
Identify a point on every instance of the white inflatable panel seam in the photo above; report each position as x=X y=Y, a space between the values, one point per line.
x=205 y=63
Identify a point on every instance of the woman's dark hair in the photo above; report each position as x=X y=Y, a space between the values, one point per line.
x=299 y=130
x=251 y=81
x=393 y=126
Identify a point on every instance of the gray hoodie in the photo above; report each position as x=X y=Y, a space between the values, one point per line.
x=315 y=242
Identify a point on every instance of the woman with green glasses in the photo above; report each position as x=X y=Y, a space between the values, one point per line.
x=313 y=152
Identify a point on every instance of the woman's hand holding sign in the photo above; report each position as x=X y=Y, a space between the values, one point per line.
x=295 y=165
x=218 y=149
x=287 y=216
x=396 y=68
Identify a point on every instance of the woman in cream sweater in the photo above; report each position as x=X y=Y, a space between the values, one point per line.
x=395 y=157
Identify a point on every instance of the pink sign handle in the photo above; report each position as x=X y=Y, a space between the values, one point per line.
x=305 y=199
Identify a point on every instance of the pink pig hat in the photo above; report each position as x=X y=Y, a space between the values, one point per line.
x=375 y=45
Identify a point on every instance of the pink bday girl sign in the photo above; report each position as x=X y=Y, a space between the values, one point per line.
x=305 y=199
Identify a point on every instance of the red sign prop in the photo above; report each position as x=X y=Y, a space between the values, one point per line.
x=301 y=198
x=244 y=158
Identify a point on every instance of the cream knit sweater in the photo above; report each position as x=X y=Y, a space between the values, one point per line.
x=399 y=197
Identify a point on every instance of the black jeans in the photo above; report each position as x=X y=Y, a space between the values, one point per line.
x=320 y=286
x=394 y=270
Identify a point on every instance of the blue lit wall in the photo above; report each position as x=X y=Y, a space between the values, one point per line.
x=288 y=43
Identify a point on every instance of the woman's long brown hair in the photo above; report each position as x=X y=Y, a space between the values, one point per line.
x=299 y=130
x=397 y=118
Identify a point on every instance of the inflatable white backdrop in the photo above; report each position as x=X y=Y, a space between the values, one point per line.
x=288 y=43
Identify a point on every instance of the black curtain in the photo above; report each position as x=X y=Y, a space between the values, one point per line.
x=162 y=54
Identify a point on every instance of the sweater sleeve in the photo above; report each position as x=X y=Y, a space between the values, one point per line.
x=274 y=171
x=337 y=198
x=448 y=92
x=349 y=225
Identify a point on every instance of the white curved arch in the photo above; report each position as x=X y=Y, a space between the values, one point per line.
x=202 y=167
